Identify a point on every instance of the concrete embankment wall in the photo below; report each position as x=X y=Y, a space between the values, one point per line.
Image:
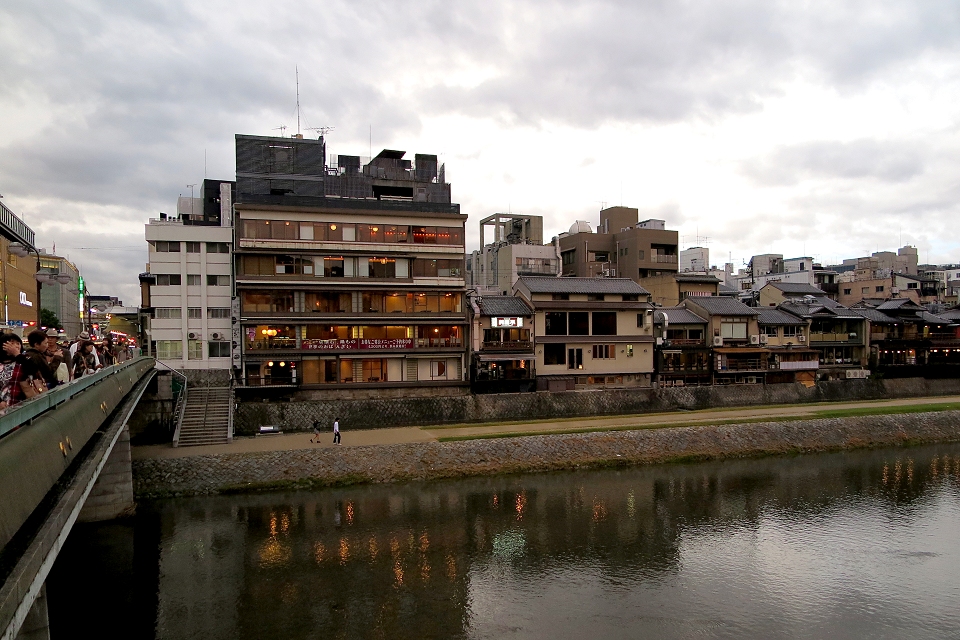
x=393 y=412
x=308 y=468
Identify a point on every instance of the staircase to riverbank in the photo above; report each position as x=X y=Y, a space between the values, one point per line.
x=206 y=417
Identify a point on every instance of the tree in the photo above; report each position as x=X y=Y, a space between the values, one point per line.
x=49 y=319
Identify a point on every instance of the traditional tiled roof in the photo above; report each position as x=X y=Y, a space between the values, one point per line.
x=930 y=318
x=541 y=284
x=726 y=290
x=773 y=316
x=722 y=306
x=874 y=316
x=503 y=306
x=797 y=288
x=677 y=315
x=696 y=277
x=808 y=309
x=897 y=303
x=950 y=314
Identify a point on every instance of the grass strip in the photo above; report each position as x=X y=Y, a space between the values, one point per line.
x=839 y=413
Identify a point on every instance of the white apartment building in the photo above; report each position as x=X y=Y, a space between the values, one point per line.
x=191 y=285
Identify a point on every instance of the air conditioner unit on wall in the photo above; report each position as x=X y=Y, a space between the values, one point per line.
x=717 y=341
x=801 y=338
x=216 y=335
x=763 y=338
x=192 y=335
x=754 y=339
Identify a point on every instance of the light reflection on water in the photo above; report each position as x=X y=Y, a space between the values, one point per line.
x=842 y=545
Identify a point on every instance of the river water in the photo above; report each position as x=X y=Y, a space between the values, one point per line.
x=847 y=545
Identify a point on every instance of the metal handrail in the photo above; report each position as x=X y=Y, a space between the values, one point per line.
x=178 y=410
x=24 y=412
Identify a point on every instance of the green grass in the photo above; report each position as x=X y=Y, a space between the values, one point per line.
x=828 y=413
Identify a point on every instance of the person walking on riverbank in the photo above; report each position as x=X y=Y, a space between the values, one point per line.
x=336 y=431
x=316 y=432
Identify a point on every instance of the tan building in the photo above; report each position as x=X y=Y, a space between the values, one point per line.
x=622 y=247
x=670 y=288
x=501 y=335
x=590 y=332
x=18 y=285
x=734 y=336
x=775 y=293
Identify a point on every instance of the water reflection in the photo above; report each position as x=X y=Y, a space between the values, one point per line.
x=841 y=545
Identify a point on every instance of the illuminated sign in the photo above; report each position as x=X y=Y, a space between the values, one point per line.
x=24 y=301
x=506 y=322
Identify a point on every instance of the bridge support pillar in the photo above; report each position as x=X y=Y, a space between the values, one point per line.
x=36 y=626
x=112 y=495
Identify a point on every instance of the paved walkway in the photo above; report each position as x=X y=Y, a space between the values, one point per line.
x=299 y=440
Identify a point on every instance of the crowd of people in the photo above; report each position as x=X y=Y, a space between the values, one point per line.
x=46 y=362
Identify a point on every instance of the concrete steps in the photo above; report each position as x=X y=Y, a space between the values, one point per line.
x=206 y=416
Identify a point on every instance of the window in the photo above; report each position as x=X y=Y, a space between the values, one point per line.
x=879 y=289
x=218 y=281
x=770 y=331
x=167 y=313
x=604 y=323
x=846 y=292
x=791 y=332
x=193 y=280
x=195 y=312
x=194 y=350
x=257 y=265
x=913 y=285
x=12 y=259
x=574 y=358
x=568 y=257
x=382 y=268
x=640 y=254
x=162 y=246
x=600 y=256
x=168 y=279
x=426 y=268
x=554 y=354
x=595 y=297
x=218 y=247
x=193 y=247
x=560 y=296
x=169 y=349
x=733 y=330
x=218 y=349
x=333 y=267
x=555 y=323
x=604 y=351
x=297 y=265
x=218 y=312
x=267 y=301
x=438 y=369
x=579 y=323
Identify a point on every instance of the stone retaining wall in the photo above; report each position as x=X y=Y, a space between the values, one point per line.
x=306 y=468
x=382 y=412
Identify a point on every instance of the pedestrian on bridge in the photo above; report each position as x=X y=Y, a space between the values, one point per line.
x=10 y=348
x=37 y=375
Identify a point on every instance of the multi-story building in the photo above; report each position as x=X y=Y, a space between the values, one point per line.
x=502 y=345
x=683 y=355
x=62 y=298
x=669 y=289
x=786 y=337
x=349 y=275
x=695 y=259
x=621 y=247
x=837 y=333
x=516 y=249
x=734 y=337
x=590 y=332
x=188 y=289
x=18 y=269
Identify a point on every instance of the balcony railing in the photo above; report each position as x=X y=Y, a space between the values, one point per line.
x=801 y=365
x=745 y=365
x=834 y=337
x=668 y=259
x=684 y=342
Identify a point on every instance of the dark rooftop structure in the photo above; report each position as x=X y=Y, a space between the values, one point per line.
x=777 y=317
x=797 y=288
x=722 y=306
x=503 y=306
x=676 y=315
x=538 y=284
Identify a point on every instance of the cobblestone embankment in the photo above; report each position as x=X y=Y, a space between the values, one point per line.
x=306 y=468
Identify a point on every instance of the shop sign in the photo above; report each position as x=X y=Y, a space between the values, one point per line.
x=498 y=322
x=24 y=301
x=346 y=344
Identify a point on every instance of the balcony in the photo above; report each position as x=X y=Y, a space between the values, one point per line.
x=515 y=345
x=800 y=365
x=835 y=337
x=747 y=364
x=665 y=259
x=684 y=342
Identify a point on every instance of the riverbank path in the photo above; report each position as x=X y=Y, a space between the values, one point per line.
x=396 y=435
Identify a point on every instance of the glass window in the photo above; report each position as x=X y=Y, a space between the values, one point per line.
x=218 y=312
x=271 y=337
x=554 y=354
x=218 y=247
x=193 y=247
x=372 y=302
x=193 y=280
x=555 y=323
x=395 y=233
x=574 y=358
x=218 y=349
x=333 y=267
x=328 y=302
x=266 y=301
x=382 y=268
x=195 y=312
x=167 y=313
x=370 y=233
x=194 y=350
x=733 y=330
x=579 y=323
x=605 y=351
x=398 y=303
x=169 y=349
x=771 y=332
x=424 y=235
x=162 y=246
x=604 y=323
x=168 y=279
x=217 y=281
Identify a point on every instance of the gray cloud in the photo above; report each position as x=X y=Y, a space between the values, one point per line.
x=887 y=161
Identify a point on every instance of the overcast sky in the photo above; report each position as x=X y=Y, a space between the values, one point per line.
x=805 y=128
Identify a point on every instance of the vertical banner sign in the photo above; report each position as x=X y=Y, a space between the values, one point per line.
x=235 y=336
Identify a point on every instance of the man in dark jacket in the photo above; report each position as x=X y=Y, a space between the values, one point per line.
x=36 y=375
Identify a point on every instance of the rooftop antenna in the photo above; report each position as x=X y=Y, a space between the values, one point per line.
x=296 y=70
x=323 y=131
x=281 y=128
x=191 y=197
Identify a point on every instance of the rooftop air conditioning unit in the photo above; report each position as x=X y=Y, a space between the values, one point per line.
x=717 y=341
x=801 y=338
x=763 y=338
x=755 y=339
x=192 y=335
x=216 y=335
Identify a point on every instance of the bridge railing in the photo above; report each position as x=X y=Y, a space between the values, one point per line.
x=22 y=413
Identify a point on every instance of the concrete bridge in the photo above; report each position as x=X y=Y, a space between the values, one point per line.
x=64 y=458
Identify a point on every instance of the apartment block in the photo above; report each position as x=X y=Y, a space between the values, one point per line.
x=516 y=248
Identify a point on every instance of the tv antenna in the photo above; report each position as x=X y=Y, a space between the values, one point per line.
x=281 y=128
x=323 y=131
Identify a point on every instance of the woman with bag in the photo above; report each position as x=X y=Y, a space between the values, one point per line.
x=84 y=361
x=10 y=391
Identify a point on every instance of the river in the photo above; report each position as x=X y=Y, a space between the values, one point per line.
x=846 y=545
